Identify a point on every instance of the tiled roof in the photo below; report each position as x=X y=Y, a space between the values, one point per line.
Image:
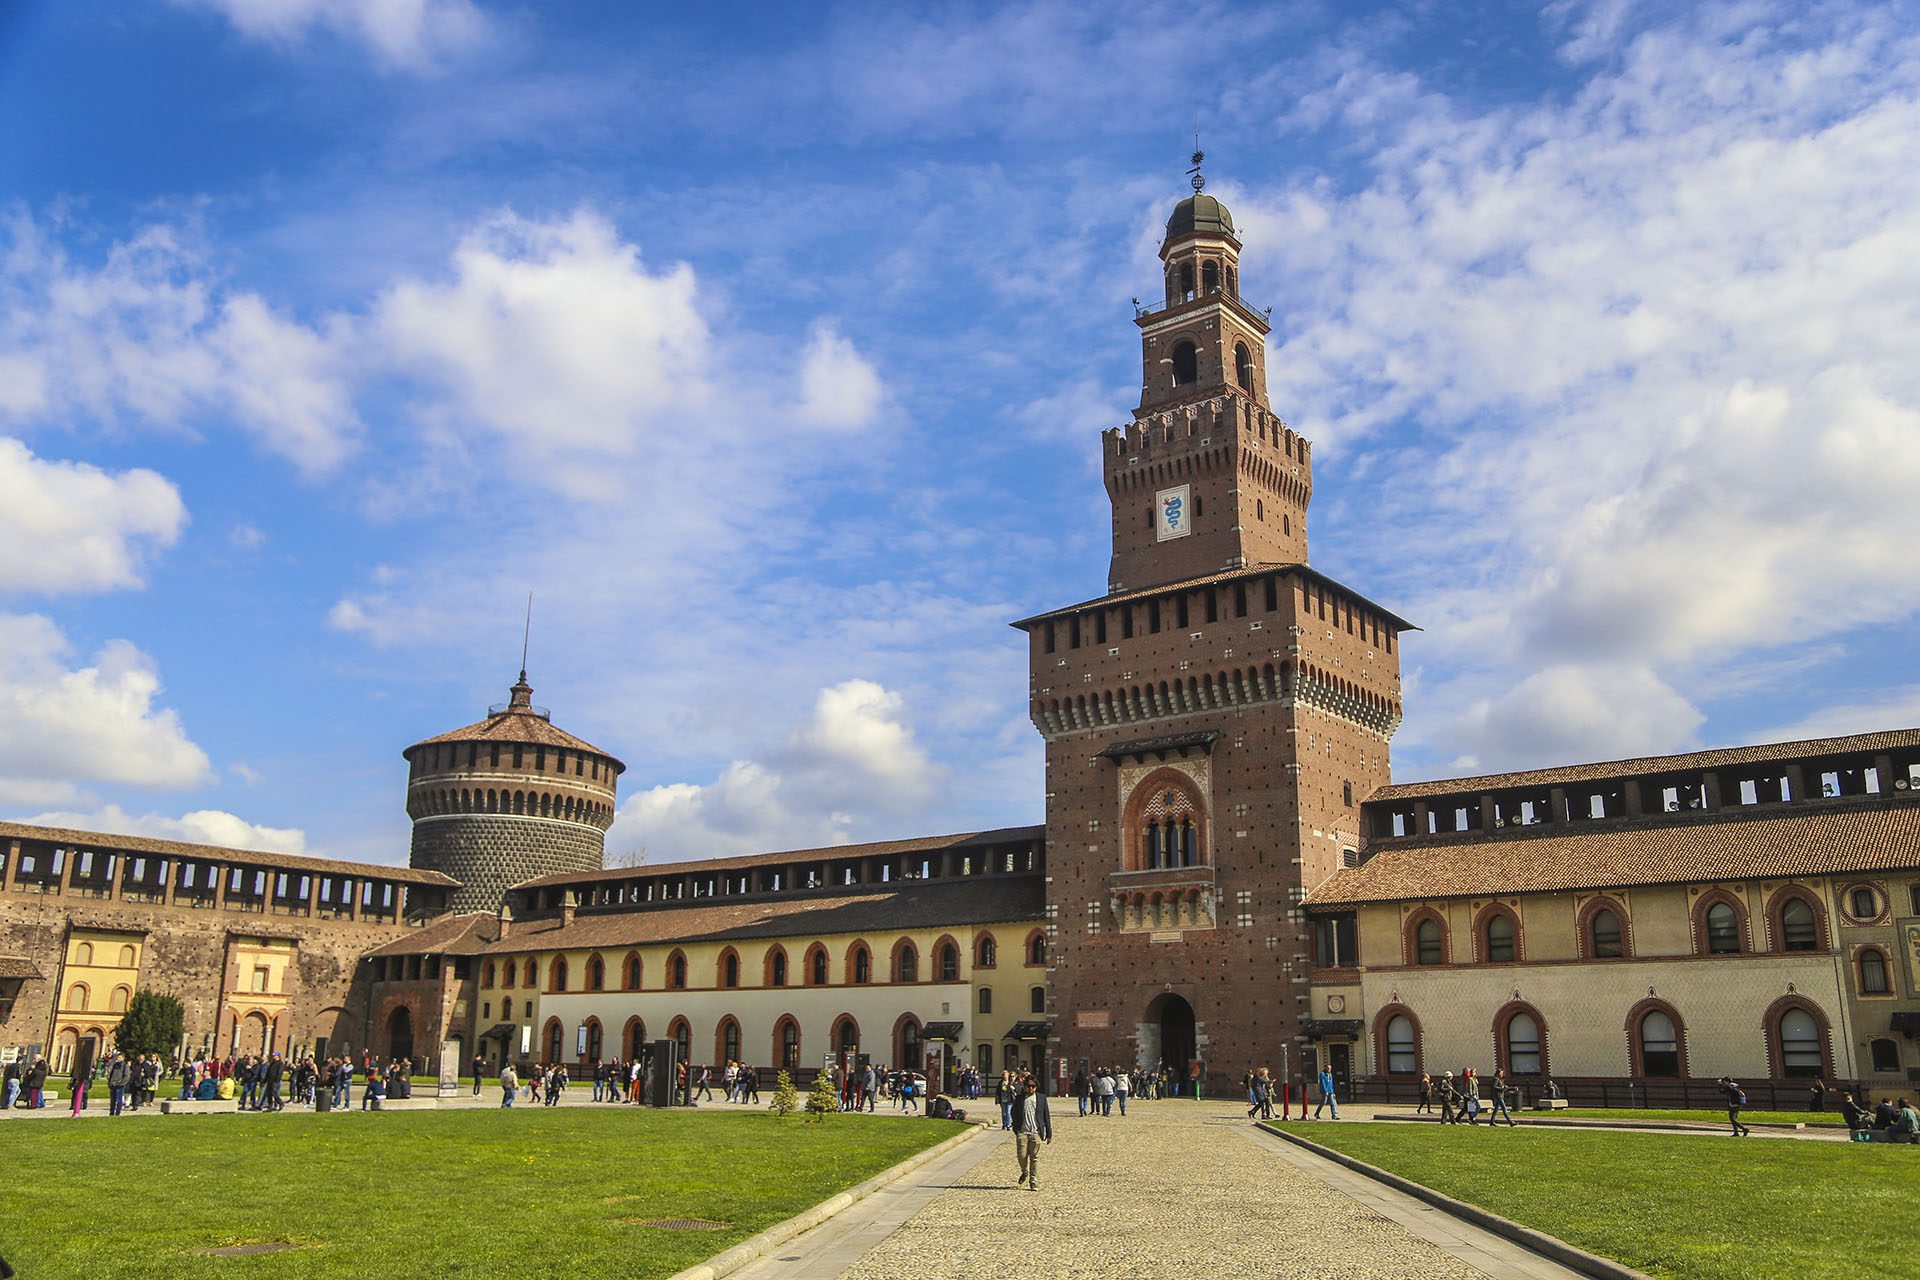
x=1230 y=575
x=516 y=724
x=875 y=849
x=1830 y=840
x=1716 y=758
x=70 y=839
x=875 y=910
x=18 y=967
x=462 y=935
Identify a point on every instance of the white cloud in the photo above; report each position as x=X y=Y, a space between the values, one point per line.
x=855 y=758
x=64 y=726
x=1656 y=336
x=838 y=388
x=1897 y=708
x=415 y=34
x=1573 y=713
x=68 y=526
x=148 y=334
x=202 y=826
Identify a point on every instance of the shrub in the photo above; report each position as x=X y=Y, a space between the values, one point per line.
x=823 y=1101
x=786 y=1099
x=153 y=1024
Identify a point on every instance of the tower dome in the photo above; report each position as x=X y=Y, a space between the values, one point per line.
x=506 y=799
x=1201 y=215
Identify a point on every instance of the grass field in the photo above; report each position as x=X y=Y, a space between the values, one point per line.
x=1676 y=1206
x=528 y=1192
x=1825 y=1118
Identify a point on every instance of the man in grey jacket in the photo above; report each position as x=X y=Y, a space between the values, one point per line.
x=1032 y=1125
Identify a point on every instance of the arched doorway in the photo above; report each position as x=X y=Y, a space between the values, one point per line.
x=1170 y=1024
x=400 y=1033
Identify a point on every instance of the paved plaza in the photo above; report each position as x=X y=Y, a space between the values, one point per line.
x=1176 y=1189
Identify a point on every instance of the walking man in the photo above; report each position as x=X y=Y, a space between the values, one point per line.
x=1032 y=1125
x=1736 y=1099
x=509 y=1084
x=1327 y=1098
x=1500 y=1087
x=117 y=1075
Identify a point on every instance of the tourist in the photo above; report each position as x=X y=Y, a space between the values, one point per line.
x=1426 y=1095
x=750 y=1085
x=1819 y=1093
x=1736 y=1099
x=1032 y=1125
x=33 y=1082
x=343 y=1085
x=82 y=1081
x=509 y=1083
x=1500 y=1091
x=1327 y=1094
x=479 y=1072
x=1470 y=1095
x=1121 y=1088
x=276 y=1068
x=14 y=1072
x=1449 y=1100
x=1080 y=1086
x=1858 y=1121
x=374 y=1093
x=118 y=1073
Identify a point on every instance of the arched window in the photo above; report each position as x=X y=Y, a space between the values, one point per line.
x=728 y=1047
x=127 y=960
x=681 y=1033
x=1799 y=930
x=1723 y=930
x=1523 y=1045
x=1037 y=999
x=1037 y=949
x=1801 y=1050
x=986 y=1000
x=1243 y=367
x=677 y=972
x=862 y=964
x=1186 y=280
x=77 y=996
x=1210 y=277
x=906 y=962
x=507 y=971
x=630 y=975
x=506 y=1008
x=787 y=1042
x=1604 y=937
x=1498 y=934
x=594 y=1039
x=117 y=1002
x=556 y=1039
x=1886 y=1056
x=486 y=974
x=558 y=972
x=777 y=967
x=532 y=973
x=1186 y=364
x=730 y=969
x=83 y=954
x=1429 y=946
x=1403 y=1047
x=846 y=1034
x=1873 y=973
x=1659 y=1045
x=816 y=966
x=1165 y=821
x=949 y=963
x=984 y=955
x=596 y=973
x=909 y=1058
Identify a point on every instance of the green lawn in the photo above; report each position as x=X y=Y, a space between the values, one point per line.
x=1830 y=1118
x=1673 y=1205
x=527 y=1192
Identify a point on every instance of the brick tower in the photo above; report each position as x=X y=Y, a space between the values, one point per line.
x=507 y=799
x=1214 y=721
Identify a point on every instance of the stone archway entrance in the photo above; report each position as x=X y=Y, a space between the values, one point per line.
x=1168 y=1035
x=400 y=1033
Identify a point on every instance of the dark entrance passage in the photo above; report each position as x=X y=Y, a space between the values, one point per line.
x=400 y=1033
x=1172 y=1016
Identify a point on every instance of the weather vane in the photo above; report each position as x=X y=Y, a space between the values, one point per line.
x=1194 y=176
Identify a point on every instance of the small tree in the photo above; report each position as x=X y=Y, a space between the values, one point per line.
x=823 y=1101
x=153 y=1024
x=786 y=1099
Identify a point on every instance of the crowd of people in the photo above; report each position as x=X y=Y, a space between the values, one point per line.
x=1457 y=1097
x=1098 y=1090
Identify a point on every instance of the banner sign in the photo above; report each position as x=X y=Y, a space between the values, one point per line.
x=1173 y=513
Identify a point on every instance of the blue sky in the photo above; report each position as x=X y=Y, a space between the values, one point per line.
x=768 y=346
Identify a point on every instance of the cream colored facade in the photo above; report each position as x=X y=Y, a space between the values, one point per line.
x=1727 y=1009
x=744 y=1008
x=99 y=971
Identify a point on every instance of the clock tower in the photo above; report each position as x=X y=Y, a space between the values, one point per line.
x=1215 y=719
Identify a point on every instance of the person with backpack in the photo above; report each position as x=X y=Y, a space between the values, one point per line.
x=118 y=1073
x=1736 y=1099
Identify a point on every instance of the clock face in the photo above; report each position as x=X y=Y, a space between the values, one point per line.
x=1173 y=513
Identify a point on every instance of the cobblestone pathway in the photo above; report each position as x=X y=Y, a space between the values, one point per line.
x=1169 y=1191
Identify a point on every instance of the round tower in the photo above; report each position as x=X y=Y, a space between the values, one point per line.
x=508 y=799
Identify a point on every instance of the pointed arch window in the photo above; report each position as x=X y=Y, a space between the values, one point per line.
x=1243 y=367
x=1210 y=277
x=1659 y=1045
x=677 y=971
x=1523 y=1045
x=1605 y=934
x=1502 y=947
x=1429 y=947
x=1723 y=930
x=1801 y=1052
x=1403 y=1046
x=1186 y=363
x=949 y=963
x=1799 y=929
x=596 y=973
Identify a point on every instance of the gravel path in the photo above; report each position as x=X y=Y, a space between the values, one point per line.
x=1166 y=1192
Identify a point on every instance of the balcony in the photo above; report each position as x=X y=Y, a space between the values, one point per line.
x=1163 y=899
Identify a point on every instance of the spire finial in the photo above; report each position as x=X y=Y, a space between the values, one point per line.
x=1194 y=176
x=526 y=636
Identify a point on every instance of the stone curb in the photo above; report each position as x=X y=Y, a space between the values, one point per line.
x=1635 y=1126
x=756 y=1246
x=1540 y=1242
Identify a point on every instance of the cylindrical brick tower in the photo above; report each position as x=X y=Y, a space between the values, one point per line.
x=508 y=799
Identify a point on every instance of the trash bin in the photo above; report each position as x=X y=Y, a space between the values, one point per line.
x=322 y=1098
